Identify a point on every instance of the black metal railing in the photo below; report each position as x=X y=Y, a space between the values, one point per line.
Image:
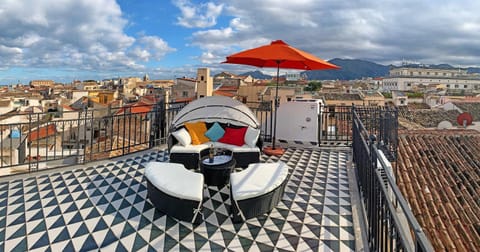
x=46 y=140
x=263 y=111
x=391 y=226
x=335 y=126
x=75 y=137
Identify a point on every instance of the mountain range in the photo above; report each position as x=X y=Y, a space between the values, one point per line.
x=353 y=69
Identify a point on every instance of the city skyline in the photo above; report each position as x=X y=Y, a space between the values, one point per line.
x=65 y=40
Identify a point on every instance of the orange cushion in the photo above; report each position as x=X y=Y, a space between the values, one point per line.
x=197 y=132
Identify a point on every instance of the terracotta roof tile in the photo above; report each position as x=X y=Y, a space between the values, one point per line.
x=438 y=174
x=184 y=99
x=42 y=132
x=223 y=93
x=136 y=108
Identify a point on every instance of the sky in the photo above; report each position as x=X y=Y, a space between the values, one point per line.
x=66 y=40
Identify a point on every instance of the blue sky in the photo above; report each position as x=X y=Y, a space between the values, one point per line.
x=65 y=40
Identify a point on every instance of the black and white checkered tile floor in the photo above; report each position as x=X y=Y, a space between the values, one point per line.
x=105 y=208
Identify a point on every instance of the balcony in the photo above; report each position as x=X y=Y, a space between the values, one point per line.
x=336 y=198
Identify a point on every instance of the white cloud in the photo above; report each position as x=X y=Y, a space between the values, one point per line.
x=199 y=15
x=210 y=58
x=77 y=34
x=156 y=47
x=385 y=32
x=10 y=51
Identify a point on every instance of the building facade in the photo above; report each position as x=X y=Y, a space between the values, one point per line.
x=204 y=83
x=417 y=78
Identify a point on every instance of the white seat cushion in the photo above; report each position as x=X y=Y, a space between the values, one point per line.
x=178 y=148
x=235 y=148
x=173 y=179
x=257 y=179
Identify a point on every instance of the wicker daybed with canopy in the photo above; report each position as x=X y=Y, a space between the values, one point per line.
x=226 y=112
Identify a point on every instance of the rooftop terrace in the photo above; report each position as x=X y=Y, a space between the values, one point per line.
x=89 y=203
x=103 y=206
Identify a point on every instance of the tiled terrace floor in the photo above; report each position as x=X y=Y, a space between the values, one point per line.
x=104 y=207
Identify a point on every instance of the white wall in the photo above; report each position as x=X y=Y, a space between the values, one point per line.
x=298 y=121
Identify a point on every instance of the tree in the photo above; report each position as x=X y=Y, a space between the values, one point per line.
x=313 y=86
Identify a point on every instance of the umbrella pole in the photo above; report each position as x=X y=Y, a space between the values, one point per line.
x=275 y=150
x=276 y=107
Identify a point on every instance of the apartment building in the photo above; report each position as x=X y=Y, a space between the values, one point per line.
x=417 y=78
x=42 y=83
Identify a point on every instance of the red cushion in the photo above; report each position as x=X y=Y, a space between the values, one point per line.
x=235 y=136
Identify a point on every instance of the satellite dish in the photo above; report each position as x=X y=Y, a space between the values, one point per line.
x=464 y=119
x=445 y=125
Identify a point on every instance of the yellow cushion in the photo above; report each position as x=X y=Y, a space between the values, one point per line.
x=197 y=132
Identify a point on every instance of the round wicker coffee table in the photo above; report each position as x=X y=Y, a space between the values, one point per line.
x=217 y=171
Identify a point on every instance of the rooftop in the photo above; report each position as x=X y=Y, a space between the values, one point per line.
x=471 y=107
x=427 y=117
x=338 y=96
x=438 y=174
x=105 y=205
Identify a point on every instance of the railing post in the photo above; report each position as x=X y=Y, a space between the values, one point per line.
x=151 y=142
x=371 y=206
x=162 y=122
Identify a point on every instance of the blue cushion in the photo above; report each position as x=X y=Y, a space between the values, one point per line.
x=215 y=132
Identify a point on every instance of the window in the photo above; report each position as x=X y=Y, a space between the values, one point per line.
x=201 y=78
x=465 y=86
x=184 y=93
x=448 y=86
x=456 y=86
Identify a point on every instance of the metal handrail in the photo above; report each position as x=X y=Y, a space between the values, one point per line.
x=386 y=230
x=421 y=238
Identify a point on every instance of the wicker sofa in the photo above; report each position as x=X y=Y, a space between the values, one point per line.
x=223 y=112
x=175 y=190
x=257 y=189
x=190 y=155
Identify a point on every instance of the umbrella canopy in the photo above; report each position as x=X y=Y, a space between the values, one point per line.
x=279 y=54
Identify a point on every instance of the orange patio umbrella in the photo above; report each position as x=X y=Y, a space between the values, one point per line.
x=279 y=54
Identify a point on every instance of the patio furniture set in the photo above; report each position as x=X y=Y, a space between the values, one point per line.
x=209 y=138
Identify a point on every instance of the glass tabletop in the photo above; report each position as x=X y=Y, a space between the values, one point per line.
x=220 y=159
